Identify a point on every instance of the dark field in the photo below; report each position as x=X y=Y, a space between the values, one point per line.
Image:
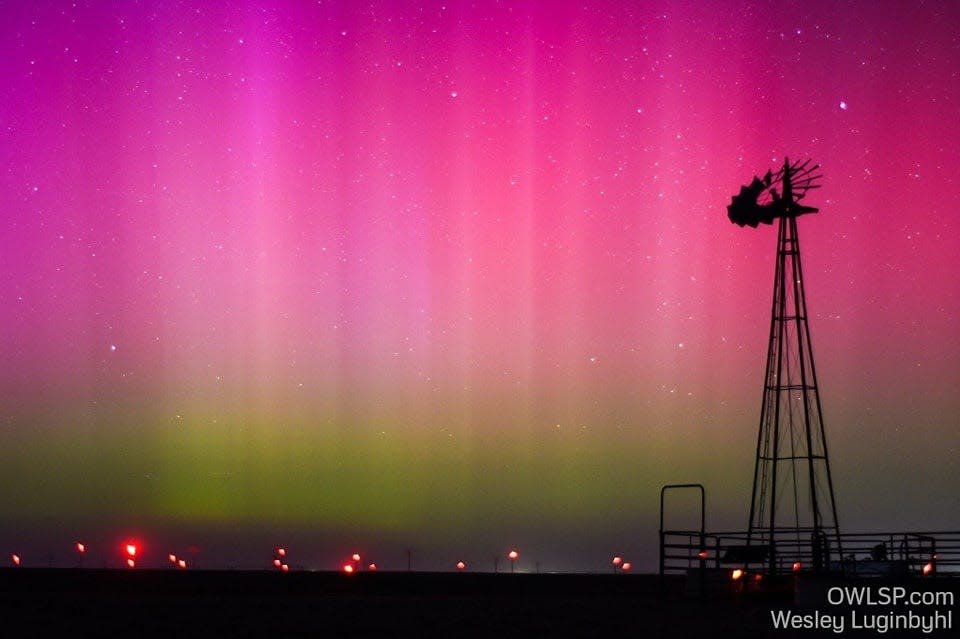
x=71 y=603
x=141 y=603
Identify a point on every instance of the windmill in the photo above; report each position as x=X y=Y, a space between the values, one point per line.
x=793 y=513
x=760 y=201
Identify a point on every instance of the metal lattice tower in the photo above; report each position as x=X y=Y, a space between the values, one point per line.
x=793 y=513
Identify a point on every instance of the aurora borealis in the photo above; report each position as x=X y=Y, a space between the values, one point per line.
x=459 y=276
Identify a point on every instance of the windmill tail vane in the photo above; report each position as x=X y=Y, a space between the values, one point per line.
x=775 y=195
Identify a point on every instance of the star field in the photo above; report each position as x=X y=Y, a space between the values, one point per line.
x=459 y=275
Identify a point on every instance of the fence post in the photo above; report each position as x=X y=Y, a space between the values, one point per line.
x=703 y=520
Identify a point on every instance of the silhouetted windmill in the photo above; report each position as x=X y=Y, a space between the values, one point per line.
x=793 y=513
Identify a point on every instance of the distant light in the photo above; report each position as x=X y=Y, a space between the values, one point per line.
x=796 y=566
x=131 y=550
x=131 y=563
x=81 y=548
x=626 y=566
x=182 y=563
x=372 y=567
x=703 y=554
x=928 y=568
x=172 y=558
x=617 y=560
x=356 y=556
x=843 y=105
x=736 y=574
x=277 y=563
x=512 y=556
x=461 y=565
x=348 y=568
x=15 y=559
x=281 y=552
x=757 y=577
x=285 y=568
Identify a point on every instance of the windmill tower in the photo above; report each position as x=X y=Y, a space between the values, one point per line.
x=793 y=513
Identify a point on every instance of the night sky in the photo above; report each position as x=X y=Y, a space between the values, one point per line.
x=459 y=277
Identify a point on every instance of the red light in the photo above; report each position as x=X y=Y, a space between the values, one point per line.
x=131 y=549
x=281 y=552
x=512 y=555
x=356 y=556
x=796 y=566
x=348 y=568
x=15 y=559
x=928 y=568
x=372 y=567
x=703 y=554
x=277 y=563
x=285 y=568
x=131 y=563
x=736 y=574
x=182 y=564
x=81 y=548
x=626 y=566
x=172 y=558
x=617 y=561
x=461 y=565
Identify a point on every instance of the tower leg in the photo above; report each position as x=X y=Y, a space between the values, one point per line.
x=793 y=515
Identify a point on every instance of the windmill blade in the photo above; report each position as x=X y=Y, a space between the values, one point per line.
x=803 y=167
x=810 y=175
x=800 y=191
x=805 y=173
x=807 y=181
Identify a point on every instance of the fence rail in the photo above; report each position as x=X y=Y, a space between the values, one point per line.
x=862 y=554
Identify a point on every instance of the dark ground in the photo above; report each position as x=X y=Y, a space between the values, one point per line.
x=169 y=603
